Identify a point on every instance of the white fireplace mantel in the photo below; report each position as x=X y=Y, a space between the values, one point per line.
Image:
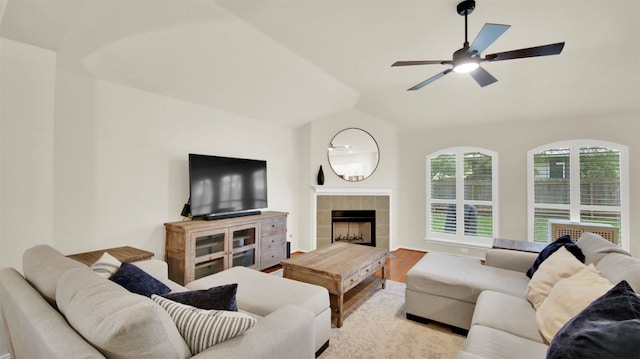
x=352 y=190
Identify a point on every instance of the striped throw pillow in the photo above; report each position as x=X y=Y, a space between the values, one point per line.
x=201 y=328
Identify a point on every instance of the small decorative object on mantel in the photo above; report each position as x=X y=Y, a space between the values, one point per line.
x=320 y=178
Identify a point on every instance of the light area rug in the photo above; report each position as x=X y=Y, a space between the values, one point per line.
x=379 y=329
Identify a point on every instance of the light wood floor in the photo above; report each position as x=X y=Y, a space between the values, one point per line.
x=397 y=267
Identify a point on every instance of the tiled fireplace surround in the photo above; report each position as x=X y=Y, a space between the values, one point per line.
x=326 y=203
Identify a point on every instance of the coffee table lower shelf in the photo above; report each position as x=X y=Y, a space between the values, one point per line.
x=354 y=298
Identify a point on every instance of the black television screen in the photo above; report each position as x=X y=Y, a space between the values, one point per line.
x=222 y=185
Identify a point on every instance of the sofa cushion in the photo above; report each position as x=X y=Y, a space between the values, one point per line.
x=467 y=355
x=106 y=266
x=608 y=328
x=42 y=266
x=567 y=298
x=287 y=333
x=497 y=310
x=222 y=297
x=138 y=281
x=564 y=241
x=561 y=264
x=118 y=323
x=204 y=328
x=490 y=343
x=595 y=247
x=617 y=267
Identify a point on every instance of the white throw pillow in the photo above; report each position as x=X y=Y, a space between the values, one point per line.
x=561 y=264
x=201 y=328
x=106 y=266
x=568 y=298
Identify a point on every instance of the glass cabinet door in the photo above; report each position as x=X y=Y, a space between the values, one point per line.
x=210 y=244
x=210 y=250
x=209 y=267
x=244 y=246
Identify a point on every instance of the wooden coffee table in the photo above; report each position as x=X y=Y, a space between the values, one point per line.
x=340 y=268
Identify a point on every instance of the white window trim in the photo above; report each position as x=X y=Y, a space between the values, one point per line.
x=472 y=241
x=574 y=181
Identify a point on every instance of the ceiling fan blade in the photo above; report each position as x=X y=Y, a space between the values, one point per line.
x=429 y=80
x=482 y=77
x=422 y=62
x=545 y=50
x=486 y=36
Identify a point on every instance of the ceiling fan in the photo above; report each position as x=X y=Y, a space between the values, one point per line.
x=468 y=58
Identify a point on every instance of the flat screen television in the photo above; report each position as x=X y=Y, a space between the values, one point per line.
x=222 y=187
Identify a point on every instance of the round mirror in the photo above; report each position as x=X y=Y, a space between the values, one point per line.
x=353 y=154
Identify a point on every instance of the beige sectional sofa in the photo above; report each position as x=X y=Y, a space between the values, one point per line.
x=490 y=300
x=292 y=319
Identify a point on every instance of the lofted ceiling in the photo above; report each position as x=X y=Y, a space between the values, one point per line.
x=294 y=61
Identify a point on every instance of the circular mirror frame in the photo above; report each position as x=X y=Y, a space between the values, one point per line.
x=367 y=172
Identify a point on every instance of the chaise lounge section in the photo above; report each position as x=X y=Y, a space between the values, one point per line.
x=444 y=288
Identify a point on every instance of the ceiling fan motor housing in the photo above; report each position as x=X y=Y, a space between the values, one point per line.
x=465 y=56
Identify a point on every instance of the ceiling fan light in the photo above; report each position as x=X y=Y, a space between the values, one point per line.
x=466 y=67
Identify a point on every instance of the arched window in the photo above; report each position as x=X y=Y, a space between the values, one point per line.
x=462 y=203
x=584 y=181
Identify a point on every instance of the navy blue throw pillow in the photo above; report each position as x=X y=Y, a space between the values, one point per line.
x=219 y=298
x=137 y=281
x=608 y=328
x=564 y=241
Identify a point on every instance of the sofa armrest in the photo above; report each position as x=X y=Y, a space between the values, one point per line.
x=33 y=328
x=509 y=259
x=286 y=333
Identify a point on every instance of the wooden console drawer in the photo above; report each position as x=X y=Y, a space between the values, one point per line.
x=272 y=256
x=274 y=226
x=272 y=241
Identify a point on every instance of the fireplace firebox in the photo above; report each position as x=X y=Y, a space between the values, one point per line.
x=354 y=226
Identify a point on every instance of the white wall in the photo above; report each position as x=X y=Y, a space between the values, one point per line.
x=127 y=152
x=111 y=161
x=317 y=136
x=26 y=149
x=511 y=141
x=26 y=156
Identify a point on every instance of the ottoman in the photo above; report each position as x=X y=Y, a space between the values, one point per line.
x=263 y=293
